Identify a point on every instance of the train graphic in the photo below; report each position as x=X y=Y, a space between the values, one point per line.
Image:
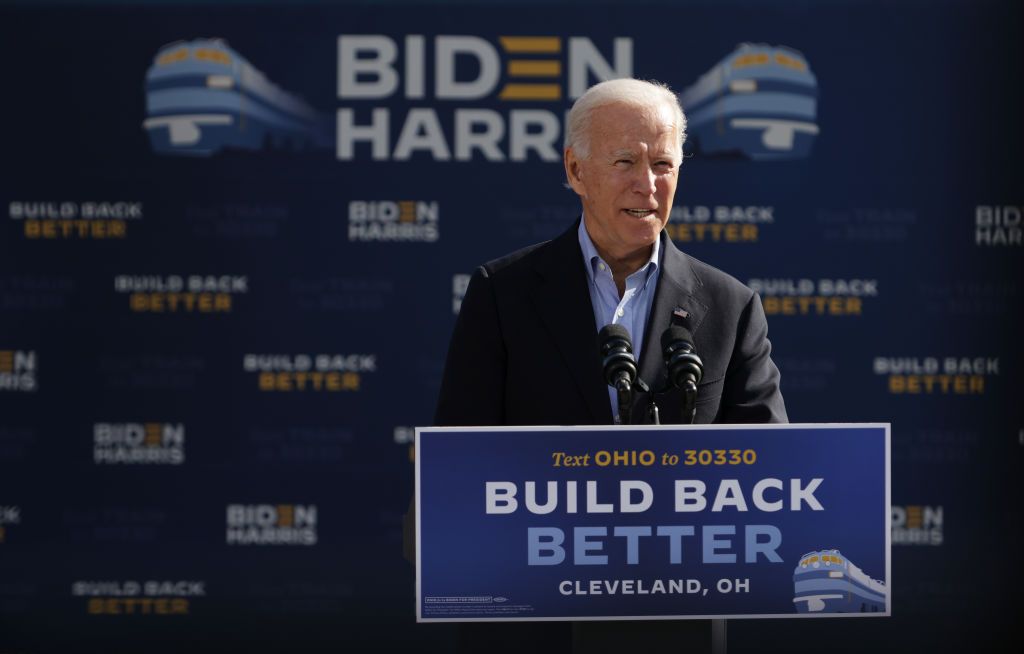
x=827 y=582
x=203 y=97
x=760 y=102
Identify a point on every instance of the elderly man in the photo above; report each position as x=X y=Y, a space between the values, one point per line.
x=525 y=349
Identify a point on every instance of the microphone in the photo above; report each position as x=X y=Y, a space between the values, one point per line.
x=619 y=366
x=685 y=368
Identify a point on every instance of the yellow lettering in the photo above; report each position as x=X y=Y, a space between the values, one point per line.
x=134 y=605
x=350 y=381
x=97 y=229
x=266 y=381
x=977 y=384
x=942 y=384
x=334 y=381
x=285 y=515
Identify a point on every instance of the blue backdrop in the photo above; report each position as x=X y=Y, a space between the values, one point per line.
x=219 y=322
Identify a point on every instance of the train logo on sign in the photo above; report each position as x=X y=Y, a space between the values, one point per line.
x=203 y=97
x=827 y=582
x=759 y=102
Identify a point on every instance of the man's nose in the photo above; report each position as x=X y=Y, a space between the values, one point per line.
x=644 y=181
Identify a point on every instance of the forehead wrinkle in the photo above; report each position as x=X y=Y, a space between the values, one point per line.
x=623 y=152
x=666 y=153
x=643 y=131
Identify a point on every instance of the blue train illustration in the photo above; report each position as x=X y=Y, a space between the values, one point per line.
x=760 y=102
x=202 y=97
x=827 y=582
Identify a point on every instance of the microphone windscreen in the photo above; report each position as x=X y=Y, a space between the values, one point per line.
x=675 y=334
x=613 y=331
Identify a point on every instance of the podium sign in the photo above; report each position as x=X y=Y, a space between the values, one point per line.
x=659 y=522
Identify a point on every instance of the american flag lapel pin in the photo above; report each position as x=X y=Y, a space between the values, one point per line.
x=681 y=313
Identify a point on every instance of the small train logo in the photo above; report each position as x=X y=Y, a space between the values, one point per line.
x=203 y=97
x=759 y=102
x=827 y=582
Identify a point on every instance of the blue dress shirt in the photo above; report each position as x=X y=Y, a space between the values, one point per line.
x=632 y=309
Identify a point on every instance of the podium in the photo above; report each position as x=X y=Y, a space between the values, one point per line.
x=673 y=522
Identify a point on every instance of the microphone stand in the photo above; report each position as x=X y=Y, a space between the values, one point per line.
x=689 y=402
x=653 y=417
x=625 y=396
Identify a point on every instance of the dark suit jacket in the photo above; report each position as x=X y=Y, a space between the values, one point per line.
x=525 y=349
x=525 y=352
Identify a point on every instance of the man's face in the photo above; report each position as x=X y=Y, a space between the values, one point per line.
x=629 y=180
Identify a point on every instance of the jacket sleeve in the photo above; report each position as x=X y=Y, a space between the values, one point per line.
x=751 y=393
x=473 y=384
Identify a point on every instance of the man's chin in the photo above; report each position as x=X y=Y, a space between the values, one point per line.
x=647 y=230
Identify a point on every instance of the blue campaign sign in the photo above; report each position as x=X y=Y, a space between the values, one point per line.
x=578 y=523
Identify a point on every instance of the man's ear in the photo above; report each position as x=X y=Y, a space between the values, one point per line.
x=574 y=172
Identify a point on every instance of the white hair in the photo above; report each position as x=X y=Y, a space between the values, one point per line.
x=635 y=92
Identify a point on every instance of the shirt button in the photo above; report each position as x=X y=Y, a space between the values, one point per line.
x=620 y=313
x=600 y=266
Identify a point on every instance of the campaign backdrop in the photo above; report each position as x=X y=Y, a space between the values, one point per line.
x=655 y=522
x=234 y=239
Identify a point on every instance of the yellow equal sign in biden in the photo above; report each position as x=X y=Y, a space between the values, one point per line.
x=154 y=434
x=285 y=515
x=915 y=517
x=533 y=68
x=407 y=211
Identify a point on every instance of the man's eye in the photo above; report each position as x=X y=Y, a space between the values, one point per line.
x=623 y=162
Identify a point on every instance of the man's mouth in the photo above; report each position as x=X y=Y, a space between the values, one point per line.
x=640 y=213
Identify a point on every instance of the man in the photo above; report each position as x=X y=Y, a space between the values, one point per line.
x=525 y=349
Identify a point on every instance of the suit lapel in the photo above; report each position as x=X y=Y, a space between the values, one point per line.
x=677 y=289
x=563 y=304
